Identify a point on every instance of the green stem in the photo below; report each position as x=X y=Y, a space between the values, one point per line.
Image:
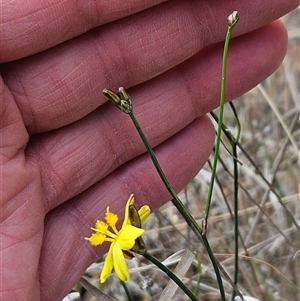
x=236 y=221
x=238 y=124
x=199 y=279
x=126 y=291
x=176 y=201
x=231 y=24
x=234 y=142
x=180 y=206
x=171 y=275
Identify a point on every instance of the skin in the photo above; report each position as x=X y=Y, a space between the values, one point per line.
x=66 y=153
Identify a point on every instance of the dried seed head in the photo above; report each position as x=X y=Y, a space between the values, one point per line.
x=121 y=100
x=233 y=19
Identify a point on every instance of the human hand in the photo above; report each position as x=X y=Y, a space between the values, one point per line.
x=66 y=154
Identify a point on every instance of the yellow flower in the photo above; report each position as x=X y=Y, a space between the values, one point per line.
x=122 y=240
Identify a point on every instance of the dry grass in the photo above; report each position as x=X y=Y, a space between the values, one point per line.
x=269 y=237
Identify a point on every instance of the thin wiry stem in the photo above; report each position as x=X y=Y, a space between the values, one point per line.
x=232 y=20
x=172 y=276
x=181 y=208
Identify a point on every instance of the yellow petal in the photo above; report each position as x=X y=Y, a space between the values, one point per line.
x=111 y=218
x=144 y=212
x=100 y=226
x=96 y=239
x=130 y=201
x=108 y=265
x=120 y=265
x=127 y=236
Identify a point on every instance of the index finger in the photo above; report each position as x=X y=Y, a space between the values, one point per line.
x=28 y=27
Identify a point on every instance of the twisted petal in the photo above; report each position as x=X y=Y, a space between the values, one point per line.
x=130 y=201
x=108 y=265
x=120 y=265
x=127 y=237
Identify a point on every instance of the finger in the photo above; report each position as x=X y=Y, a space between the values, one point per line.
x=28 y=27
x=180 y=157
x=14 y=138
x=12 y=130
x=75 y=157
x=65 y=83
